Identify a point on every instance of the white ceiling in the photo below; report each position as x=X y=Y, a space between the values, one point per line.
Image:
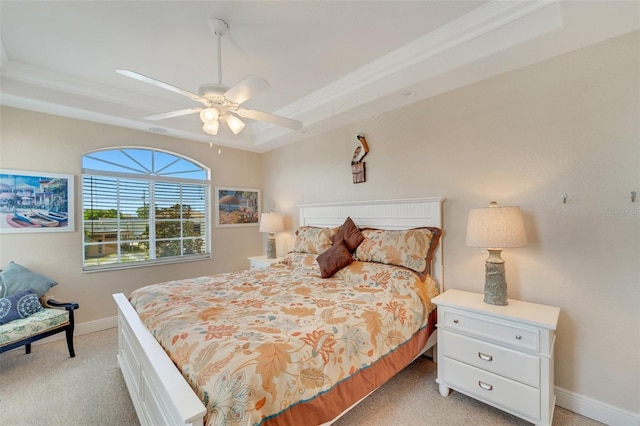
x=329 y=63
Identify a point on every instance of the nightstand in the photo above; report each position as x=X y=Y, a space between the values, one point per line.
x=256 y=262
x=501 y=355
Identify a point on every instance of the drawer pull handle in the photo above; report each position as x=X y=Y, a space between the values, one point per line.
x=518 y=337
x=455 y=321
x=485 y=386
x=485 y=357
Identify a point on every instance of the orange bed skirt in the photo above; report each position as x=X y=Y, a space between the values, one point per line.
x=329 y=405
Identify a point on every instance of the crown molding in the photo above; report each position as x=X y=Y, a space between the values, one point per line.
x=338 y=96
x=363 y=92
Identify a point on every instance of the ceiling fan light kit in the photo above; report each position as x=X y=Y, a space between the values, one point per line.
x=220 y=102
x=235 y=124
x=209 y=115
x=211 y=128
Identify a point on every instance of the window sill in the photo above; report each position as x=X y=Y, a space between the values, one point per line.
x=143 y=264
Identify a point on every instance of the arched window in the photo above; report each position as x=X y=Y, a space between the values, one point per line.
x=143 y=206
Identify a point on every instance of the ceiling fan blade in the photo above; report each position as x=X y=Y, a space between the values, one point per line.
x=270 y=118
x=250 y=86
x=158 y=83
x=173 y=114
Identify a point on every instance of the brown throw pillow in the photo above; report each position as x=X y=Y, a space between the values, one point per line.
x=334 y=259
x=350 y=233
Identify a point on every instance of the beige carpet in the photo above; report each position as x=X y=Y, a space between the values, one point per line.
x=49 y=388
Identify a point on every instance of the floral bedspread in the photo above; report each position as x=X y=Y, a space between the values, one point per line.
x=255 y=343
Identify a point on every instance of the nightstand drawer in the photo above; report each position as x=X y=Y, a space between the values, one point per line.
x=494 y=389
x=505 y=362
x=512 y=334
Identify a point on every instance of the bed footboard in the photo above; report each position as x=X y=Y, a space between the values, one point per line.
x=159 y=393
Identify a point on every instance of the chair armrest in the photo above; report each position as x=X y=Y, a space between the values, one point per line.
x=69 y=306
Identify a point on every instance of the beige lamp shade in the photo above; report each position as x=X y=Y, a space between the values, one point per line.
x=496 y=227
x=271 y=222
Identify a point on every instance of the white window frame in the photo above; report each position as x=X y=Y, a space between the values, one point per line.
x=153 y=177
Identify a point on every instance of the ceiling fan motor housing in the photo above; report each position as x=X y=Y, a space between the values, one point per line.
x=215 y=93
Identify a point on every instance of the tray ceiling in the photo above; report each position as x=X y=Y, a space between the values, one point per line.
x=329 y=63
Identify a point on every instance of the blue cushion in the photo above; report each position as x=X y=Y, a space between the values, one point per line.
x=16 y=278
x=20 y=305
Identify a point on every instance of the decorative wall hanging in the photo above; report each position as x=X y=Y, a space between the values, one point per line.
x=36 y=202
x=357 y=165
x=237 y=206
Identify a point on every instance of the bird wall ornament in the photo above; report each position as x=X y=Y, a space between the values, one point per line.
x=357 y=165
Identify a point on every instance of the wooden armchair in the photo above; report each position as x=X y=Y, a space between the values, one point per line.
x=56 y=317
x=27 y=313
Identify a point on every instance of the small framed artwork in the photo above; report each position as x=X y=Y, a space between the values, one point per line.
x=36 y=202
x=237 y=206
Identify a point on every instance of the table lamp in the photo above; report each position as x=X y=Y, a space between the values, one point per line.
x=495 y=228
x=271 y=223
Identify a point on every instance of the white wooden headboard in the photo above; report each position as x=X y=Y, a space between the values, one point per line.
x=382 y=214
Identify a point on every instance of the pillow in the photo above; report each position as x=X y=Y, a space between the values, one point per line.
x=313 y=240
x=302 y=261
x=16 y=278
x=411 y=248
x=350 y=233
x=334 y=259
x=20 y=305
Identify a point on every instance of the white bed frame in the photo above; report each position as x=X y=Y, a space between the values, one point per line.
x=161 y=396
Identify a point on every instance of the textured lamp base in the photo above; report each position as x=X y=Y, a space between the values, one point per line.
x=495 y=284
x=271 y=248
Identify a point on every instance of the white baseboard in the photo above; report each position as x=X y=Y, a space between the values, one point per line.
x=594 y=409
x=83 y=328
x=93 y=326
x=566 y=399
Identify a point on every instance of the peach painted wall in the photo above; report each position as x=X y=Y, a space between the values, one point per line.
x=41 y=142
x=570 y=125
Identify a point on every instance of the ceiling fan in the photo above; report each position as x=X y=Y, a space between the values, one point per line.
x=220 y=103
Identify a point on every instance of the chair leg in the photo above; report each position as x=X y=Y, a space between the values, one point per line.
x=69 y=332
x=27 y=348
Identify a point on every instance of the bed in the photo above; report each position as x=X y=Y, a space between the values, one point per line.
x=283 y=345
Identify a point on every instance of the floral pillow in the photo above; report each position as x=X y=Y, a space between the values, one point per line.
x=302 y=261
x=20 y=305
x=313 y=240
x=411 y=248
